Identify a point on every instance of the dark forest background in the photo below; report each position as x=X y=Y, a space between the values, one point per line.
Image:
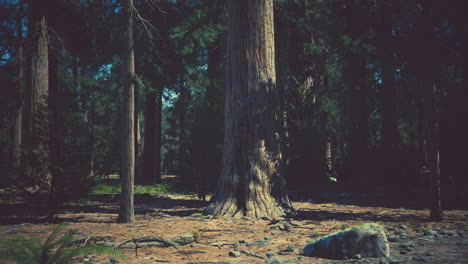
x=370 y=93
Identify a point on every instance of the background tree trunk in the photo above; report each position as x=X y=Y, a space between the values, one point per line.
x=127 y=210
x=251 y=183
x=430 y=69
x=57 y=134
x=18 y=123
x=157 y=136
x=147 y=176
x=151 y=170
x=137 y=133
x=283 y=69
x=38 y=101
x=182 y=106
x=357 y=89
x=390 y=132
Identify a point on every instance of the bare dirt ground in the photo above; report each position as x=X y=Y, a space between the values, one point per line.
x=319 y=214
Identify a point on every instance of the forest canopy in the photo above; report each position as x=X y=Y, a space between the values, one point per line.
x=345 y=93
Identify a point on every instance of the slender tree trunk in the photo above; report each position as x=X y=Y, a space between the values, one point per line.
x=433 y=144
x=56 y=135
x=127 y=211
x=251 y=183
x=390 y=132
x=358 y=144
x=283 y=40
x=91 y=134
x=158 y=135
x=430 y=105
x=18 y=124
x=17 y=138
x=357 y=88
x=182 y=101
x=422 y=155
x=147 y=176
x=137 y=129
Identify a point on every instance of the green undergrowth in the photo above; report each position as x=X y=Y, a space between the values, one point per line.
x=103 y=188
x=55 y=249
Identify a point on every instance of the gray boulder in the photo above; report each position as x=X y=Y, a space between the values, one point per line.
x=367 y=240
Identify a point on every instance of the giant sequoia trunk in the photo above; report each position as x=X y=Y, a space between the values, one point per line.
x=126 y=214
x=251 y=182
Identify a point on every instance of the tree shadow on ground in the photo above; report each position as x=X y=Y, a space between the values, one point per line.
x=327 y=215
x=407 y=199
x=145 y=204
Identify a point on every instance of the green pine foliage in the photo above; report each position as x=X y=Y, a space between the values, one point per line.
x=55 y=249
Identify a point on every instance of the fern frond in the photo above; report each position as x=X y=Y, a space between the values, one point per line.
x=15 y=250
x=33 y=245
x=52 y=251
x=49 y=243
x=102 y=251
x=63 y=249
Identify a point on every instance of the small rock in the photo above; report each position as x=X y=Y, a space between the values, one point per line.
x=251 y=254
x=384 y=261
x=273 y=260
x=285 y=227
x=395 y=261
x=401 y=233
x=259 y=243
x=274 y=233
x=113 y=260
x=291 y=248
x=357 y=256
x=267 y=238
x=235 y=254
x=450 y=234
x=403 y=252
x=407 y=245
x=184 y=239
x=243 y=241
x=274 y=221
x=271 y=254
x=392 y=238
x=440 y=231
x=391 y=229
x=193 y=245
x=422 y=259
x=428 y=232
x=403 y=227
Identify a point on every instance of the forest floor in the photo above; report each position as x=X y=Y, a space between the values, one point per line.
x=319 y=214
